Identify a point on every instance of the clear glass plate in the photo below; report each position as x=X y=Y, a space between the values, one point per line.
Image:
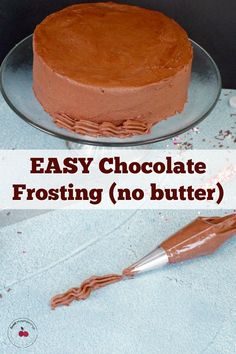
x=16 y=87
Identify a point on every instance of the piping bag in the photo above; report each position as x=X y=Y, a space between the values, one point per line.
x=201 y=237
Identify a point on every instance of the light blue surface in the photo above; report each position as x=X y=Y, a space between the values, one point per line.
x=185 y=309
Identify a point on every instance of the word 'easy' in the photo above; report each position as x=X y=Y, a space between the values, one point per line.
x=109 y=165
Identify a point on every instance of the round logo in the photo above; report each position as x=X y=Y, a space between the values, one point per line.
x=22 y=333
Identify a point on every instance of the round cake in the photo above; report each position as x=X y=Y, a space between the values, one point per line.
x=107 y=69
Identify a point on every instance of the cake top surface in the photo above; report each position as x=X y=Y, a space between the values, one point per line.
x=112 y=45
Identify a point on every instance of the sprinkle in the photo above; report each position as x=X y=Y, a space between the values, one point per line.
x=222 y=135
x=176 y=140
x=196 y=130
x=185 y=146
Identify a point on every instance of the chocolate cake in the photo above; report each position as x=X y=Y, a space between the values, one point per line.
x=107 y=69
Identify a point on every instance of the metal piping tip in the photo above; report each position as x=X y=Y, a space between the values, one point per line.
x=128 y=272
x=153 y=260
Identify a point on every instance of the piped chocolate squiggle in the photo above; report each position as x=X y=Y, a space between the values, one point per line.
x=86 y=288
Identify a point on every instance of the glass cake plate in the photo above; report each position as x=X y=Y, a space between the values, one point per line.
x=16 y=87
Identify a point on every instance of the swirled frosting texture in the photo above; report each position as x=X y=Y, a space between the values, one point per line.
x=86 y=127
x=107 y=62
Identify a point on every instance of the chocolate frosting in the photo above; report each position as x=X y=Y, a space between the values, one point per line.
x=112 y=45
x=106 y=69
x=86 y=127
x=201 y=237
x=85 y=289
